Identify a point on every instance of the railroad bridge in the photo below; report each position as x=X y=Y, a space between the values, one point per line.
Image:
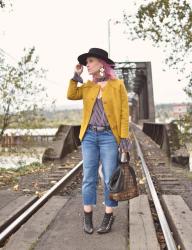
x=137 y=77
x=159 y=218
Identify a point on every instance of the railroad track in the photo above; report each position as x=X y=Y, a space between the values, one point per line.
x=60 y=169
x=170 y=242
x=164 y=189
x=12 y=224
x=141 y=208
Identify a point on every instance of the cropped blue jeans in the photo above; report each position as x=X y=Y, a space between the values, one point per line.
x=98 y=146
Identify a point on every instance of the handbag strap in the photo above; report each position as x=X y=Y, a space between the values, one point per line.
x=128 y=156
x=132 y=172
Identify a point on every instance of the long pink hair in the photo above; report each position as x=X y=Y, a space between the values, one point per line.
x=109 y=72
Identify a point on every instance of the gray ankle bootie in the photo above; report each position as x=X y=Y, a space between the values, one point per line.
x=87 y=222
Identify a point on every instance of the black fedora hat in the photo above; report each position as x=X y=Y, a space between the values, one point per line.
x=96 y=52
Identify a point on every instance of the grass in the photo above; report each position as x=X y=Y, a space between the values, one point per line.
x=11 y=176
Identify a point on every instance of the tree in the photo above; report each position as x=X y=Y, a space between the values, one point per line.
x=2 y=4
x=167 y=23
x=21 y=92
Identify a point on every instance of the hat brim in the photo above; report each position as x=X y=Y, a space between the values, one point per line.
x=82 y=59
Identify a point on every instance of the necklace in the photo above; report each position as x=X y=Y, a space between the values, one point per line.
x=101 y=79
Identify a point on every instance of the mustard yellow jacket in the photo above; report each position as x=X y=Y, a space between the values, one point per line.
x=115 y=102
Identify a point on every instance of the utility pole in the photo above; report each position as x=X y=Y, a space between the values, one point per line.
x=109 y=34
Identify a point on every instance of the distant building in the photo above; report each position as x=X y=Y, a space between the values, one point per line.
x=179 y=109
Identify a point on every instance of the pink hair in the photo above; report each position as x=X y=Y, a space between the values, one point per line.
x=109 y=72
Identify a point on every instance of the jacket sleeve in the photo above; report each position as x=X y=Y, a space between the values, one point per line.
x=125 y=144
x=77 y=77
x=124 y=113
x=74 y=92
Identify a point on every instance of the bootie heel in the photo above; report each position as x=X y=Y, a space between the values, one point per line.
x=106 y=224
x=87 y=222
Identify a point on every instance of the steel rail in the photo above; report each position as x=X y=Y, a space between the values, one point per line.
x=41 y=201
x=162 y=219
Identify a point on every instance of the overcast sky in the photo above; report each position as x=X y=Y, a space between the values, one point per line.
x=61 y=30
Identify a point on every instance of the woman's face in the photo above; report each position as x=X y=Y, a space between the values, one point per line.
x=93 y=65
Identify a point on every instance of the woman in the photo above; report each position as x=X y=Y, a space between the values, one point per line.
x=104 y=128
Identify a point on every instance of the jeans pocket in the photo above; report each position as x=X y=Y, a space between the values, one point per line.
x=88 y=131
x=85 y=134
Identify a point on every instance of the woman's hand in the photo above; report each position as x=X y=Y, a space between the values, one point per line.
x=125 y=145
x=123 y=150
x=79 y=69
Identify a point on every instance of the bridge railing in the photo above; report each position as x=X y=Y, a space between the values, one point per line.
x=167 y=136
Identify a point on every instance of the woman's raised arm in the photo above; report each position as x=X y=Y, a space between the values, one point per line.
x=74 y=92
